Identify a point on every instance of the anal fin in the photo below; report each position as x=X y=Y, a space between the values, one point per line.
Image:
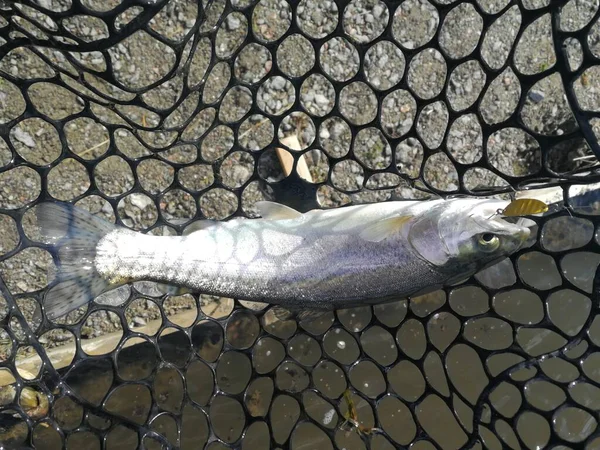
x=310 y=315
x=281 y=313
x=301 y=315
x=172 y=289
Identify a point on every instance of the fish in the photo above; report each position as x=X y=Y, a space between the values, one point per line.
x=304 y=264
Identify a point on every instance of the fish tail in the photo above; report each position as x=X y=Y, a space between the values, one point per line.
x=74 y=234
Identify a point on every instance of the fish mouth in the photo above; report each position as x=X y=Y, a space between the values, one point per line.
x=524 y=233
x=519 y=230
x=517 y=236
x=503 y=227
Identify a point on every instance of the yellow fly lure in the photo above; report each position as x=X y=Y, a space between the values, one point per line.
x=524 y=207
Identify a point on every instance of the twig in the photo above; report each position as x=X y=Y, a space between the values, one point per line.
x=93 y=148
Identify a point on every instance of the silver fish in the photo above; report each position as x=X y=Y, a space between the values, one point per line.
x=318 y=261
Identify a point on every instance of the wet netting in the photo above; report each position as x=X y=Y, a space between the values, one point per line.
x=155 y=113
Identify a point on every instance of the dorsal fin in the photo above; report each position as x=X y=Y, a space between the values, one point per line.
x=384 y=228
x=276 y=211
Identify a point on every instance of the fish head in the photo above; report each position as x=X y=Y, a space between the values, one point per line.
x=466 y=235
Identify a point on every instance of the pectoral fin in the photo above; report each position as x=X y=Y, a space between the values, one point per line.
x=276 y=211
x=384 y=228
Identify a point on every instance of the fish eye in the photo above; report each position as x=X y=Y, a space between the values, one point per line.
x=489 y=242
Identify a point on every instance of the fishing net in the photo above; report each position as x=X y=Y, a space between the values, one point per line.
x=155 y=113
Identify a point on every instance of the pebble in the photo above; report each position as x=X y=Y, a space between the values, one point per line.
x=378 y=10
x=321 y=100
x=536 y=96
x=138 y=322
x=107 y=209
x=23 y=137
x=140 y=200
x=233 y=22
x=278 y=83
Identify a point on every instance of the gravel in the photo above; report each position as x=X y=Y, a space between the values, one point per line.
x=400 y=71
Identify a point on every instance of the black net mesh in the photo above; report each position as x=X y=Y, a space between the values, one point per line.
x=159 y=112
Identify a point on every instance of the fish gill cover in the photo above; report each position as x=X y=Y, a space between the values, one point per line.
x=156 y=113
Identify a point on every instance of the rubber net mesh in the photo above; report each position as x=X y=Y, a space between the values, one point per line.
x=156 y=113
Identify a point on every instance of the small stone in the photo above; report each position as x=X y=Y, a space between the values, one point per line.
x=317 y=17
x=321 y=100
x=23 y=137
x=233 y=23
x=278 y=83
x=378 y=10
x=138 y=322
x=140 y=201
x=536 y=96
x=106 y=208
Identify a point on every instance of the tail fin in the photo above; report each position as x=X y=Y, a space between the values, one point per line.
x=76 y=234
